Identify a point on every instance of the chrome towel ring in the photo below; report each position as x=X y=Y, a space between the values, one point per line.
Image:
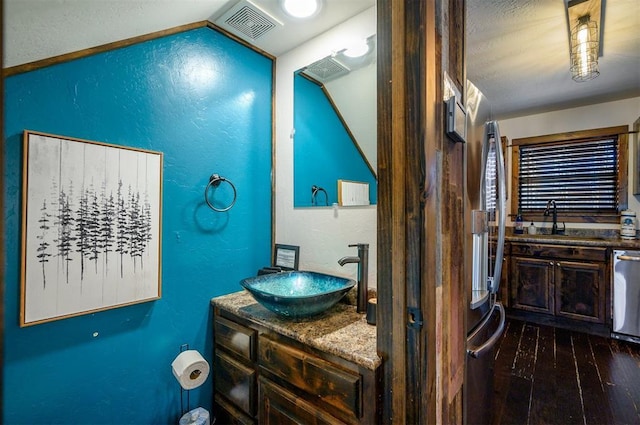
x=215 y=181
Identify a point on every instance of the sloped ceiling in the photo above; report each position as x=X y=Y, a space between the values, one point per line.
x=517 y=50
x=39 y=29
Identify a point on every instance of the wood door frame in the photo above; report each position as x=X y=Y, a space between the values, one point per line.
x=421 y=302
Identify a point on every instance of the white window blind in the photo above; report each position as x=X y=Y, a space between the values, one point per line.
x=581 y=176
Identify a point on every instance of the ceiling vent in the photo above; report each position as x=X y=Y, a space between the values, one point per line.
x=326 y=69
x=247 y=20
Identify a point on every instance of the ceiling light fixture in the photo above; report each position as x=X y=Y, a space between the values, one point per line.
x=357 y=49
x=585 y=41
x=300 y=9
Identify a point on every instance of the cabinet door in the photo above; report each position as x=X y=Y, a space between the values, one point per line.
x=532 y=284
x=580 y=290
x=281 y=407
x=236 y=382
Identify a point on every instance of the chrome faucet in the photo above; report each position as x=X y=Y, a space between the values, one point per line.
x=554 y=228
x=363 y=274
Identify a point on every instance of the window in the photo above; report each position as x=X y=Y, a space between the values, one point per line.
x=585 y=172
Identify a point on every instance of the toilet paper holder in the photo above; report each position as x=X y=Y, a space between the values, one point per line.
x=196 y=369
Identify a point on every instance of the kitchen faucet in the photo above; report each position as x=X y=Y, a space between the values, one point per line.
x=554 y=228
x=363 y=274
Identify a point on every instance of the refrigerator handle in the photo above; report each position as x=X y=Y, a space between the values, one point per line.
x=502 y=207
x=476 y=352
x=627 y=258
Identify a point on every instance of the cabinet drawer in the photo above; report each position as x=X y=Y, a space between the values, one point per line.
x=236 y=382
x=570 y=252
x=235 y=338
x=281 y=407
x=336 y=387
x=228 y=414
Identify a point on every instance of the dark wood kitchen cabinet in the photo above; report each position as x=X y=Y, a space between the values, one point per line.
x=561 y=281
x=263 y=377
x=580 y=290
x=532 y=284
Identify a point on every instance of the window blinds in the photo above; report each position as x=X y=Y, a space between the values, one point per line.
x=580 y=176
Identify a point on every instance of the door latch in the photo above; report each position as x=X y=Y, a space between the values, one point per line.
x=415 y=317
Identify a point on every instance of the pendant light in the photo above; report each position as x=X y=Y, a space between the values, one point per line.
x=584 y=50
x=584 y=22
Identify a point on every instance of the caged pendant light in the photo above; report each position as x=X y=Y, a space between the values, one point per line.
x=584 y=50
x=585 y=30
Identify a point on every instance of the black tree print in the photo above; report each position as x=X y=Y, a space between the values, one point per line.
x=145 y=226
x=43 y=246
x=82 y=230
x=99 y=223
x=133 y=226
x=122 y=234
x=93 y=227
x=89 y=209
x=107 y=218
x=65 y=221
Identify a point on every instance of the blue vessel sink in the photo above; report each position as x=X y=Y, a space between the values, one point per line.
x=297 y=294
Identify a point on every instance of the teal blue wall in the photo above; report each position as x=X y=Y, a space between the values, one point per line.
x=205 y=101
x=323 y=150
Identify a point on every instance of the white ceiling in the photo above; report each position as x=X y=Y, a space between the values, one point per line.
x=518 y=55
x=517 y=50
x=38 y=29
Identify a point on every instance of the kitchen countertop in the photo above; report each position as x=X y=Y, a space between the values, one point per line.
x=340 y=331
x=575 y=239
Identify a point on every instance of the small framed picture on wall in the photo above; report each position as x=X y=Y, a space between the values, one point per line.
x=286 y=256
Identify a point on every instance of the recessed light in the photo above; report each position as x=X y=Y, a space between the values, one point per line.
x=300 y=9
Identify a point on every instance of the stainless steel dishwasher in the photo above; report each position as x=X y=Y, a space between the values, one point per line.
x=626 y=295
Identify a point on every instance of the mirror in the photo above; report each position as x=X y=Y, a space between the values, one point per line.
x=335 y=137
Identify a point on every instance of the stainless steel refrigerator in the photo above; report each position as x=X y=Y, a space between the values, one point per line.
x=485 y=218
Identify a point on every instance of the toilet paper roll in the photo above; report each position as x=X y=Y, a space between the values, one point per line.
x=198 y=416
x=190 y=369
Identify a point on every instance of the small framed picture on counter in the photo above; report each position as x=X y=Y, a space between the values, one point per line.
x=286 y=256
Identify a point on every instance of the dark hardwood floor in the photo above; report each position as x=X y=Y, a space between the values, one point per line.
x=546 y=375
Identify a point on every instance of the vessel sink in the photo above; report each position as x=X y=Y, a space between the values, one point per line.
x=297 y=294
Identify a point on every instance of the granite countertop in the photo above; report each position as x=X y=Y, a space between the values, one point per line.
x=576 y=240
x=339 y=331
x=578 y=237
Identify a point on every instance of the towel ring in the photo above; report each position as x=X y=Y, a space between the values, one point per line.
x=215 y=181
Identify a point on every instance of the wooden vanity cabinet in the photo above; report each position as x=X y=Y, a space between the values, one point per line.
x=234 y=372
x=567 y=282
x=263 y=377
x=281 y=407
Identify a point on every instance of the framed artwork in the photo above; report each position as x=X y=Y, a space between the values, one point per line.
x=91 y=227
x=286 y=256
